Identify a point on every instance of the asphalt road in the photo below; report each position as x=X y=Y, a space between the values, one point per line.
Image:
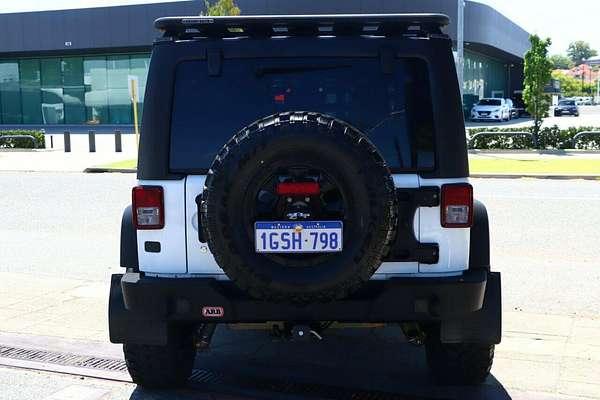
x=544 y=233
x=588 y=116
x=62 y=224
x=544 y=236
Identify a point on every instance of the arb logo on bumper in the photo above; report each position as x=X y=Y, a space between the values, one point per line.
x=213 y=312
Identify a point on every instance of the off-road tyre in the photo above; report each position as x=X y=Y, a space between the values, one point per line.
x=285 y=139
x=458 y=363
x=160 y=367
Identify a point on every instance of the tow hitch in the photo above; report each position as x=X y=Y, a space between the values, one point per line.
x=304 y=333
x=300 y=332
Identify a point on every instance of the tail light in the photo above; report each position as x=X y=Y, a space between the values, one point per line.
x=457 y=205
x=298 y=189
x=148 y=207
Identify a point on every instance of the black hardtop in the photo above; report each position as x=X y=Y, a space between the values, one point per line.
x=302 y=40
x=301 y=25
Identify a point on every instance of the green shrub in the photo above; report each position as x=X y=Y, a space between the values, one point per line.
x=548 y=138
x=22 y=143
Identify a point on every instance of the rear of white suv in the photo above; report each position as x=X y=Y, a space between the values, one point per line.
x=302 y=179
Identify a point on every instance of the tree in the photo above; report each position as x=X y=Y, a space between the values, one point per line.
x=538 y=72
x=579 y=51
x=561 y=62
x=570 y=86
x=221 y=7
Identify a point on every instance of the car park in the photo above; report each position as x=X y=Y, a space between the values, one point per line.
x=491 y=109
x=271 y=192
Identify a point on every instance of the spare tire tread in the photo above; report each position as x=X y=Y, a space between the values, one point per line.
x=246 y=281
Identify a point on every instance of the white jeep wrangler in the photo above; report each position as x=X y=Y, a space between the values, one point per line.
x=303 y=170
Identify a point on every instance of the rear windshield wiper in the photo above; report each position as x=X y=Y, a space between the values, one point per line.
x=262 y=71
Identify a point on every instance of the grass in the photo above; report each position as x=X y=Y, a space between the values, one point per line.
x=558 y=166
x=479 y=165
x=125 y=164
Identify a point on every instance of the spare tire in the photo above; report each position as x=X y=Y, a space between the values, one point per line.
x=357 y=185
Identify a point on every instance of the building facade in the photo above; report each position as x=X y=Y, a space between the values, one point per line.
x=70 y=90
x=71 y=67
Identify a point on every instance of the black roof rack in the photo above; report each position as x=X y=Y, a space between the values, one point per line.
x=302 y=25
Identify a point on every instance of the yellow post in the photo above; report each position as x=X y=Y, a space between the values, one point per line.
x=134 y=100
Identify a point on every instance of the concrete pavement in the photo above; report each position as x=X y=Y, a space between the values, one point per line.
x=553 y=354
x=21 y=384
x=60 y=307
x=56 y=160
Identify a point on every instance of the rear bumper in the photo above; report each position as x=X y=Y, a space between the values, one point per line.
x=139 y=305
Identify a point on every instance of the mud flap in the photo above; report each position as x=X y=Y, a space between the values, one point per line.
x=128 y=327
x=483 y=326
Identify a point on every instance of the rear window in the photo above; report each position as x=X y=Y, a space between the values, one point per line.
x=394 y=110
x=489 y=102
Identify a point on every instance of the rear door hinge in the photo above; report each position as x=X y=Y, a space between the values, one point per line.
x=406 y=247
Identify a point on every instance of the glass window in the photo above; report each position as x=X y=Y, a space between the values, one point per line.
x=75 y=111
x=566 y=103
x=72 y=72
x=118 y=70
x=394 y=110
x=10 y=93
x=139 y=65
x=96 y=90
x=73 y=90
x=51 y=72
x=489 y=102
x=119 y=103
x=31 y=94
x=53 y=110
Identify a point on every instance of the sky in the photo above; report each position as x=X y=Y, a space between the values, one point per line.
x=562 y=21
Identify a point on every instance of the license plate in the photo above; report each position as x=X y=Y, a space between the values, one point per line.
x=298 y=236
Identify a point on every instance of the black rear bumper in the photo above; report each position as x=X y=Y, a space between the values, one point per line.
x=141 y=308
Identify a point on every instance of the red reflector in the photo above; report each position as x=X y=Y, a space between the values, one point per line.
x=280 y=98
x=148 y=207
x=298 y=189
x=457 y=205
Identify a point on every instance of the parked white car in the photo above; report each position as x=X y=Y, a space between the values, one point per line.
x=490 y=109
